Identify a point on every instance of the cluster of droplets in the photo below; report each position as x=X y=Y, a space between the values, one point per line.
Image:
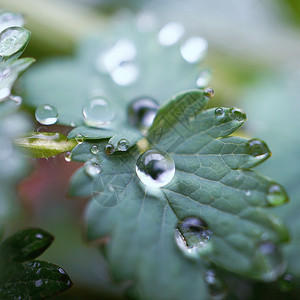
x=193 y=237
x=155 y=168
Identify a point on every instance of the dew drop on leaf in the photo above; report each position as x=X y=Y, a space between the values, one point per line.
x=203 y=78
x=92 y=168
x=216 y=286
x=123 y=145
x=194 y=49
x=155 y=168
x=94 y=149
x=193 y=237
x=79 y=138
x=46 y=114
x=68 y=156
x=237 y=114
x=141 y=112
x=170 y=34
x=109 y=149
x=258 y=149
x=209 y=93
x=276 y=195
x=98 y=112
x=270 y=261
x=219 y=112
x=8 y=19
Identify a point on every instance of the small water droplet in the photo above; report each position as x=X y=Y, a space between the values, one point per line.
x=92 y=168
x=203 y=79
x=123 y=145
x=141 y=112
x=194 y=49
x=216 y=286
x=61 y=271
x=12 y=40
x=68 y=156
x=79 y=138
x=269 y=261
x=38 y=283
x=98 y=112
x=237 y=114
x=208 y=93
x=8 y=19
x=4 y=93
x=125 y=74
x=219 y=112
x=171 y=33
x=248 y=193
x=94 y=149
x=46 y=114
x=39 y=236
x=193 y=237
x=276 y=195
x=287 y=283
x=109 y=149
x=259 y=149
x=155 y=168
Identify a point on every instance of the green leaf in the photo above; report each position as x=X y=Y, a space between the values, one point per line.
x=25 y=245
x=70 y=83
x=32 y=280
x=1 y=232
x=213 y=182
x=280 y=124
x=45 y=144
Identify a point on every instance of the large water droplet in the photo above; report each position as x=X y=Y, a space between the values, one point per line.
x=94 y=149
x=46 y=114
x=92 y=168
x=203 y=79
x=155 y=168
x=98 y=112
x=216 y=286
x=276 y=195
x=269 y=261
x=171 y=33
x=12 y=40
x=79 y=138
x=125 y=74
x=194 y=49
x=287 y=283
x=123 y=145
x=141 y=112
x=237 y=114
x=8 y=19
x=259 y=149
x=193 y=237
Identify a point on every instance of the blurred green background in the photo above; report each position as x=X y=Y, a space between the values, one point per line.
x=254 y=55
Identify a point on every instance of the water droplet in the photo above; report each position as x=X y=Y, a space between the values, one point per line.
x=276 y=195
x=219 y=112
x=237 y=114
x=155 y=168
x=270 y=263
x=141 y=112
x=171 y=33
x=39 y=236
x=38 y=283
x=287 y=283
x=4 y=93
x=46 y=114
x=125 y=74
x=92 y=168
x=194 y=49
x=203 y=79
x=61 y=271
x=109 y=149
x=94 y=149
x=98 y=112
x=123 y=51
x=193 y=237
x=8 y=19
x=259 y=149
x=208 y=93
x=68 y=156
x=12 y=40
x=79 y=138
x=123 y=145
x=248 y=193
x=216 y=286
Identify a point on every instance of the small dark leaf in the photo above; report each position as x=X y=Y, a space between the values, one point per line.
x=25 y=245
x=32 y=280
